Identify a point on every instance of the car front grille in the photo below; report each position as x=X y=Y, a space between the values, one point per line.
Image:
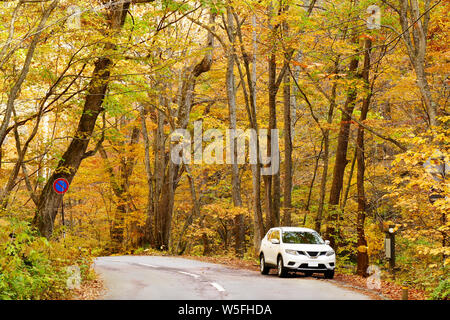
x=316 y=253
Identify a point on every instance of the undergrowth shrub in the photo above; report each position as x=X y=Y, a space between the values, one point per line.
x=31 y=267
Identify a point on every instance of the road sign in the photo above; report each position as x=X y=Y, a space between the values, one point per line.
x=61 y=185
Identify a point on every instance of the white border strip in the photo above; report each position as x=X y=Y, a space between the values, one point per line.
x=190 y=274
x=217 y=286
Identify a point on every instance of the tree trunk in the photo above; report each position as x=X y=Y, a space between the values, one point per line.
x=148 y=236
x=410 y=15
x=341 y=157
x=49 y=200
x=349 y=183
x=268 y=179
x=164 y=210
x=120 y=186
x=362 y=257
x=287 y=202
x=272 y=182
x=258 y=222
x=231 y=97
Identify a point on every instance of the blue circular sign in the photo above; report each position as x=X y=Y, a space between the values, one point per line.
x=61 y=185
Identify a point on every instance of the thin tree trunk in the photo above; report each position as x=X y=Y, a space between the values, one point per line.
x=120 y=186
x=231 y=97
x=271 y=219
x=326 y=152
x=311 y=186
x=349 y=182
x=258 y=222
x=256 y=170
x=273 y=182
x=195 y=209
x=287 y=192
x=148 y=236
x=160 y=175
x=415 y=39
x=362 y=257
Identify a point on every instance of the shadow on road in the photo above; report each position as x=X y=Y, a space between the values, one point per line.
x=299 y=275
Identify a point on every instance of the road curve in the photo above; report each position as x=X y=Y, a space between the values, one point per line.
x=161 y=278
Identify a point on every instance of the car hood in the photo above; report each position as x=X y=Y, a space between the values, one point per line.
x=307 y=247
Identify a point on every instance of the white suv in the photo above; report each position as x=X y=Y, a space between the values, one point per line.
x=296 y=249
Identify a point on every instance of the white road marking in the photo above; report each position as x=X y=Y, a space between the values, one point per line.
x=190 y=274
x=214 y=284
x=146 y=265
x=141 y=264
x=217 y=286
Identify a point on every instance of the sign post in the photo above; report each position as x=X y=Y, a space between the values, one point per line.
x=389 y=246
x=61 y=186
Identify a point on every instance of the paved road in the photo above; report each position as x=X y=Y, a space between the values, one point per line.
x=154 y=277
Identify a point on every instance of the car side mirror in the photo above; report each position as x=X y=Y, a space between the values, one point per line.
x=275 y=241
x=327 y=242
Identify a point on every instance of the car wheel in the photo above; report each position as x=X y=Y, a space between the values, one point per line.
x=262 y=265
x=329 y=274
x=280 y=268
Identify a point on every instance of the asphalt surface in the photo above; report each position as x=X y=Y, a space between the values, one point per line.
x=155 y=277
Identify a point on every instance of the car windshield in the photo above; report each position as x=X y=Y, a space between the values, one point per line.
x=302 y=237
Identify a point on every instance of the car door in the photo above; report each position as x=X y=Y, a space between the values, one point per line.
x=266 y=246
x=274 y=247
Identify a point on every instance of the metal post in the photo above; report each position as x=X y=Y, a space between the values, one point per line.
x=390 y=248
x=62 y=217
x=404 y=293
x=62 y=213
x=392 y=259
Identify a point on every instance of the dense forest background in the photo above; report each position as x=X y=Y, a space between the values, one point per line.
x=92 y=90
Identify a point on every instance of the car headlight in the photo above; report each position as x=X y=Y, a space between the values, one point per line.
x=294 y=252
x=330 y=253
